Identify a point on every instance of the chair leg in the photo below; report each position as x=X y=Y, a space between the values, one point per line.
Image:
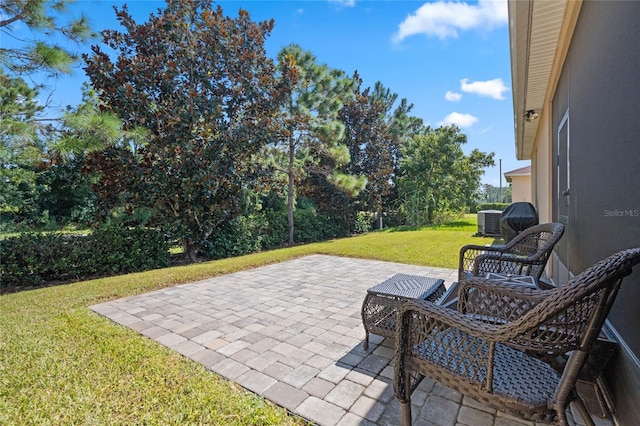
x=584 y=413
x=562 y=417
x=582 y=409
x=406 y=413
x=363 y=314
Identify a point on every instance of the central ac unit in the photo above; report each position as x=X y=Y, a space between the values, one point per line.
x=489 y=223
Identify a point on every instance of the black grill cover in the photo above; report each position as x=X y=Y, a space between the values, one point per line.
x=516 y=218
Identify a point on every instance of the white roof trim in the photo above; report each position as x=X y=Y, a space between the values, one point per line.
x=534 y=29
x=522 y=171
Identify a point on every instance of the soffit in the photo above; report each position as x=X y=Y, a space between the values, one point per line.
x=534 y=29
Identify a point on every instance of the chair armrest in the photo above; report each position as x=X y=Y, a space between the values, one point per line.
x=503 y=263
x=496 y=302
x=478 y=247
x=522 y=314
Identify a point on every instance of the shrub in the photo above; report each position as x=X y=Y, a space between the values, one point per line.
x=364 y=222
x=33 y=259
x=276 y=231
x=268 y=228
x=119 y=249
x=312 y=226
x=243 y=235
x=30 y=259
x=492 y=206
x=446 y=216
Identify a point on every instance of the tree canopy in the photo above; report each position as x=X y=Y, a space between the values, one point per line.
x=47 y=20
x=189 y=127
x=20 y=146
x=371 y=144
x=311 y=132
x=202 y=85
x=27 y=130
x=437 y=175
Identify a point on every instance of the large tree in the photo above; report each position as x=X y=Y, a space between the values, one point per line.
x=402 y=127
x=32 y=32
x=202 y=84
x=36 y=183
x=437 y=175
x=492 y=194
x=310 y=140
x=20 y=148
x=371 y=145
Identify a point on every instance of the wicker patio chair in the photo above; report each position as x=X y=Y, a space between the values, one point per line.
x=526 y=254
x=493 y=348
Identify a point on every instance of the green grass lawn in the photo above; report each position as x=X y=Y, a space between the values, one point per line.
x=62 y=364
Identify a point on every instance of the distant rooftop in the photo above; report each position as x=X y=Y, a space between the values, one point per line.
x=522 y=171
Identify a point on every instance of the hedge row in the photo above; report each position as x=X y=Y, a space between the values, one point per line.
x=492 y=206
x=33 y=259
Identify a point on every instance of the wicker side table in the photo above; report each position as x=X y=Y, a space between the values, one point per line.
x=380 y=306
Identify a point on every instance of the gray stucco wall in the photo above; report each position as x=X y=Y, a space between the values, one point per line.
x=600 y=87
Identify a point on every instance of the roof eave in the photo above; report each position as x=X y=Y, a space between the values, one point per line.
x=535 y=27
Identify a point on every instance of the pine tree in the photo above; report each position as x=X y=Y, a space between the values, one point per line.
x=47 y=20
x=311 y=130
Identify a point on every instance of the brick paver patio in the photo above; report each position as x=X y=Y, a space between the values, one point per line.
x=292 y=333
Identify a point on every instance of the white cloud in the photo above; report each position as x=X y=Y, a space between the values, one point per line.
x=444 y=19
x=485 y=130
x=345 y=3
x=490 y=88
x=452 y=96
x=459 y=119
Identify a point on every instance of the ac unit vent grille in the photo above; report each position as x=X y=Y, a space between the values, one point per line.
x=489 y=223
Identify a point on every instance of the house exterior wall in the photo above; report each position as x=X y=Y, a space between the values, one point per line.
x=521 y=189
x=541 y=179
x=541 y=164
x=598 y=95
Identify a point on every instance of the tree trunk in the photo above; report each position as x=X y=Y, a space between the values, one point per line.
x=290 y=191
x=190 y=251
x=379 y=212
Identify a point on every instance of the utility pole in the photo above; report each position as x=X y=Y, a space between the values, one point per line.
x=500 y=193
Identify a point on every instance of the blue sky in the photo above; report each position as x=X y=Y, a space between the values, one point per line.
x=450 y=59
